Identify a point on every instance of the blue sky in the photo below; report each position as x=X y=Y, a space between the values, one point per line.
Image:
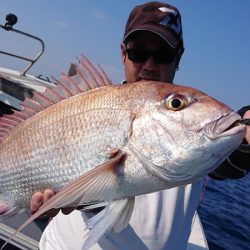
x=216 y=37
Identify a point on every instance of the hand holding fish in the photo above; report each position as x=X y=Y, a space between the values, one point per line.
x=39 y=198
x=247 y=116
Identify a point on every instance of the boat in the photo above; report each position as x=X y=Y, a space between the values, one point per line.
x=15 y=86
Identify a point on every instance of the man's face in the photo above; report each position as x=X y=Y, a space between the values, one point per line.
x=149 y=68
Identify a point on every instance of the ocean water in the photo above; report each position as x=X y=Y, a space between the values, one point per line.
x=225 y=214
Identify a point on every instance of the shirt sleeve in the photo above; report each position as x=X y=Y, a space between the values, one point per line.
x=237 y=165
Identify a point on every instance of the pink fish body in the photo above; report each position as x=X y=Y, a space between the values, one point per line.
x=109 y=144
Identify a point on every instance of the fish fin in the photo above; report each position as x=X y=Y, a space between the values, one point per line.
x=81 y=77
x=94 y=206
x=125 y=216
x=7 y=210
x=96 y=185
x=116 y=215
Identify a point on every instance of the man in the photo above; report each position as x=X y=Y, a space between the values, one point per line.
x=151 y=50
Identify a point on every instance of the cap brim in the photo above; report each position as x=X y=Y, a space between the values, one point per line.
x=165 y=34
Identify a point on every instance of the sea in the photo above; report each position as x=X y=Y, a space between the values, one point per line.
x=225 y=214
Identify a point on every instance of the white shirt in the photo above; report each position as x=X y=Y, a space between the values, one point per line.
x=161 y=220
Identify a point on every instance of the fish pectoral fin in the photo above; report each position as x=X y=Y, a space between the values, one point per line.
x=97 y=185
x=116 y=215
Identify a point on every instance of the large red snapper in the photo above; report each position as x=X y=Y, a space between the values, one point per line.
x=109 y=144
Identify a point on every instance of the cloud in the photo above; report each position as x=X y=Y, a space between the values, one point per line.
x=98 y=14
x=61 y=23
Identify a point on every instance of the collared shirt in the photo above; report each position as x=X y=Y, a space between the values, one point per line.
x=160 y=220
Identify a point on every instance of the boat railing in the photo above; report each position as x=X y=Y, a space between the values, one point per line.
x=11 y=20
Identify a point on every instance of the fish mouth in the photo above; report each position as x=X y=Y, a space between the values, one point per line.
x=227 y=125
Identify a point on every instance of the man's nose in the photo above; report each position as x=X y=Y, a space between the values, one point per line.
x=150 y=64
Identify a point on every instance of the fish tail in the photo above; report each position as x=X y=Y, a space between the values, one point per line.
x=26 y=223
x=116 y=215
x=7 y=210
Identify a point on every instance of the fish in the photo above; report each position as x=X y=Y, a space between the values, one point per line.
x=98 y=144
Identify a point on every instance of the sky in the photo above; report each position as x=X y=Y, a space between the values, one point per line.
x=216 y=39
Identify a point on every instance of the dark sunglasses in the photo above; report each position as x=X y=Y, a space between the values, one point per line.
x=162 y=55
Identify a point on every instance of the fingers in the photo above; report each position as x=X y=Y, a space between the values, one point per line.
x=36 y=202
x=47 y=194
x=39 y=198
x=247 y=116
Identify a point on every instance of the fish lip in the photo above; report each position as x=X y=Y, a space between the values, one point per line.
x=224 y=126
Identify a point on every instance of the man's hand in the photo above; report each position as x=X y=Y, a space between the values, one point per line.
x=247 y=116
x=39 y=198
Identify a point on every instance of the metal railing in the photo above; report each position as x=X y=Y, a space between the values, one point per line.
x=11 y=20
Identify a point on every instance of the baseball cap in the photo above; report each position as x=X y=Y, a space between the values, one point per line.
x=160 y=18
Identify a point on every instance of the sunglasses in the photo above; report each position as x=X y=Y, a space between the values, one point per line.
x=162 y=55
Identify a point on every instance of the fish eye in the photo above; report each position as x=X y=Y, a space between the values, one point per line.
x=175 y=102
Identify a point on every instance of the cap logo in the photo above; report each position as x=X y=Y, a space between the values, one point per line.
x=165 y=9
x=171 y=22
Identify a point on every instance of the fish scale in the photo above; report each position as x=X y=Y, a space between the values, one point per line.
x=57 y=155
